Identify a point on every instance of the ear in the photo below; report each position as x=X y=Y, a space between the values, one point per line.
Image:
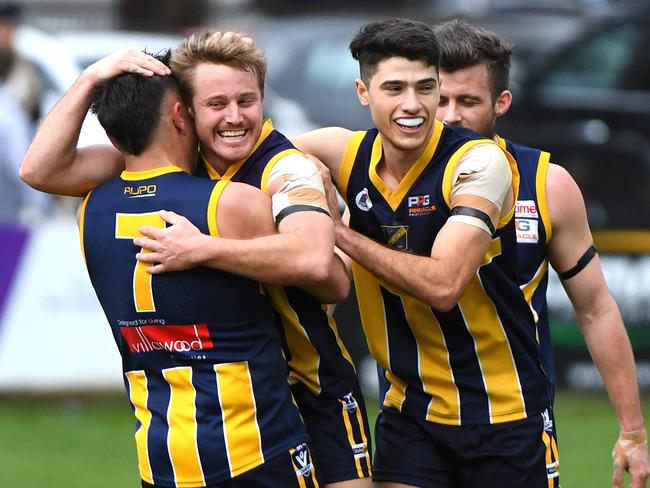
x=362 y=92
x=502 y=103
x=178 y=118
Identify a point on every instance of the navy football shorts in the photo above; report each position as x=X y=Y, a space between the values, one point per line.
x=340 y=436
x=520 y=454
x=292 y=469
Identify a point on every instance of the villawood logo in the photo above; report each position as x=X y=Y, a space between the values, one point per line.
x=172 y=338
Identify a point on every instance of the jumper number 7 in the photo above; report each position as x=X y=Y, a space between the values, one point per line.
x=126 y=227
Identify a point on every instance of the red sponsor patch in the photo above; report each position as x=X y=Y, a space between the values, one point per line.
x=172 y=338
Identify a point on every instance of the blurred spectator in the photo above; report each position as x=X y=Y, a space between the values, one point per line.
x=162 y=15
x=17 y=200
x=17 y=75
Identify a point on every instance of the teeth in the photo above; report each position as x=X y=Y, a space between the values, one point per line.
x=410 y=122
x=232 y=133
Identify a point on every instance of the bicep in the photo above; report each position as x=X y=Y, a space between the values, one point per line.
x=571 y=236
x=92 y=166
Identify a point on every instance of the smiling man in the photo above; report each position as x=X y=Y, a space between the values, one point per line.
x=432 y=237
x=222 y=81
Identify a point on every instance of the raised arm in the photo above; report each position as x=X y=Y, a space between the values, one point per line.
x=53 y=163
x=597 y=313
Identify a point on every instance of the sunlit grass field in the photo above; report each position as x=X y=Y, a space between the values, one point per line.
x=88 y=443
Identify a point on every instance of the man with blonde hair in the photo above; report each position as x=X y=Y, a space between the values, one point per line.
x=222 y=81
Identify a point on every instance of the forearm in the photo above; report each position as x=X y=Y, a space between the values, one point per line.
x=53 y=149
x=420 y=276
x=336 y=287
x=610 y=349
x=283 y=259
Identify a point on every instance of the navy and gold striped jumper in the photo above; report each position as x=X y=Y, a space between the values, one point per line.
x=202 y=359
x=534 y=231
x=318 y=360
x=476 y=364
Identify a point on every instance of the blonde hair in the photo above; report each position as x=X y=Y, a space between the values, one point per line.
x=229 y=48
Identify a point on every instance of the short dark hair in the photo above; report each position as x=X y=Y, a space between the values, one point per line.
x=464 y=45
x=385 y=39
x=128 y=106
x=10 y=10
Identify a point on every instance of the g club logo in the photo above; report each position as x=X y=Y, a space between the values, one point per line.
x=396 y=236
x=363 y=200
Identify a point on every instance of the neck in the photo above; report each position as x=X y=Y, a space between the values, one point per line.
x=158 y=157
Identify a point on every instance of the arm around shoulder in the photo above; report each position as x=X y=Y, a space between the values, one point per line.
x=327 y=144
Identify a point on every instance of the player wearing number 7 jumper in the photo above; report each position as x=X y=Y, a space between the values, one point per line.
x=201 y=357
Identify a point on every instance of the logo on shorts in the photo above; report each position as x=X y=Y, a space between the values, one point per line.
x=363 y=200
x=301 y=459
x=349 y=403
x=548 y=422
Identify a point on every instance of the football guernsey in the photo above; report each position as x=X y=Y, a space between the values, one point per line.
x=316 y=355
x=202 y=359
x=533 y=234
x=478 y=363
x=321 y=371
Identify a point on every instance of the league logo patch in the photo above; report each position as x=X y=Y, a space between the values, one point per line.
x=301 y=459
x=396 y=236
x=363 y=200
x=349 y=403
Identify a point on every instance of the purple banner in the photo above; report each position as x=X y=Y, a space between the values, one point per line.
x=12 y=243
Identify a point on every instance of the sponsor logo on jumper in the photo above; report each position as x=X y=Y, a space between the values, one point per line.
x=302 y=461
x=527 y=230
x=420 y=205
x=363 y=200
x=172 y=338
x=140 y=191
x=396 y=236
x=349 y=403
x=526 y=209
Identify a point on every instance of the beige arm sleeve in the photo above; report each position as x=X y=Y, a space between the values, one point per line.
x=295 y=185
x=483 y=171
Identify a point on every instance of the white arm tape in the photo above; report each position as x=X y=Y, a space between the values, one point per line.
x=301 y=185
x=485 y=172
x=469 y=220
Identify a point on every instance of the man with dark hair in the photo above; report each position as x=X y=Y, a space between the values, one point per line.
x=552 y=228
x=432 y=237
x=211 y=399
x=222 y=80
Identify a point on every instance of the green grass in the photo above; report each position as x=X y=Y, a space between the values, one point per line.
x=88 y=443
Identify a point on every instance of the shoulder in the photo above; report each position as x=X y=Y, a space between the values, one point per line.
x=244 y=211
x=564 y=198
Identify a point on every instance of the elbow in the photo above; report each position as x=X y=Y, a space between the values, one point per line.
x=443 y=298
x=28 y=174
